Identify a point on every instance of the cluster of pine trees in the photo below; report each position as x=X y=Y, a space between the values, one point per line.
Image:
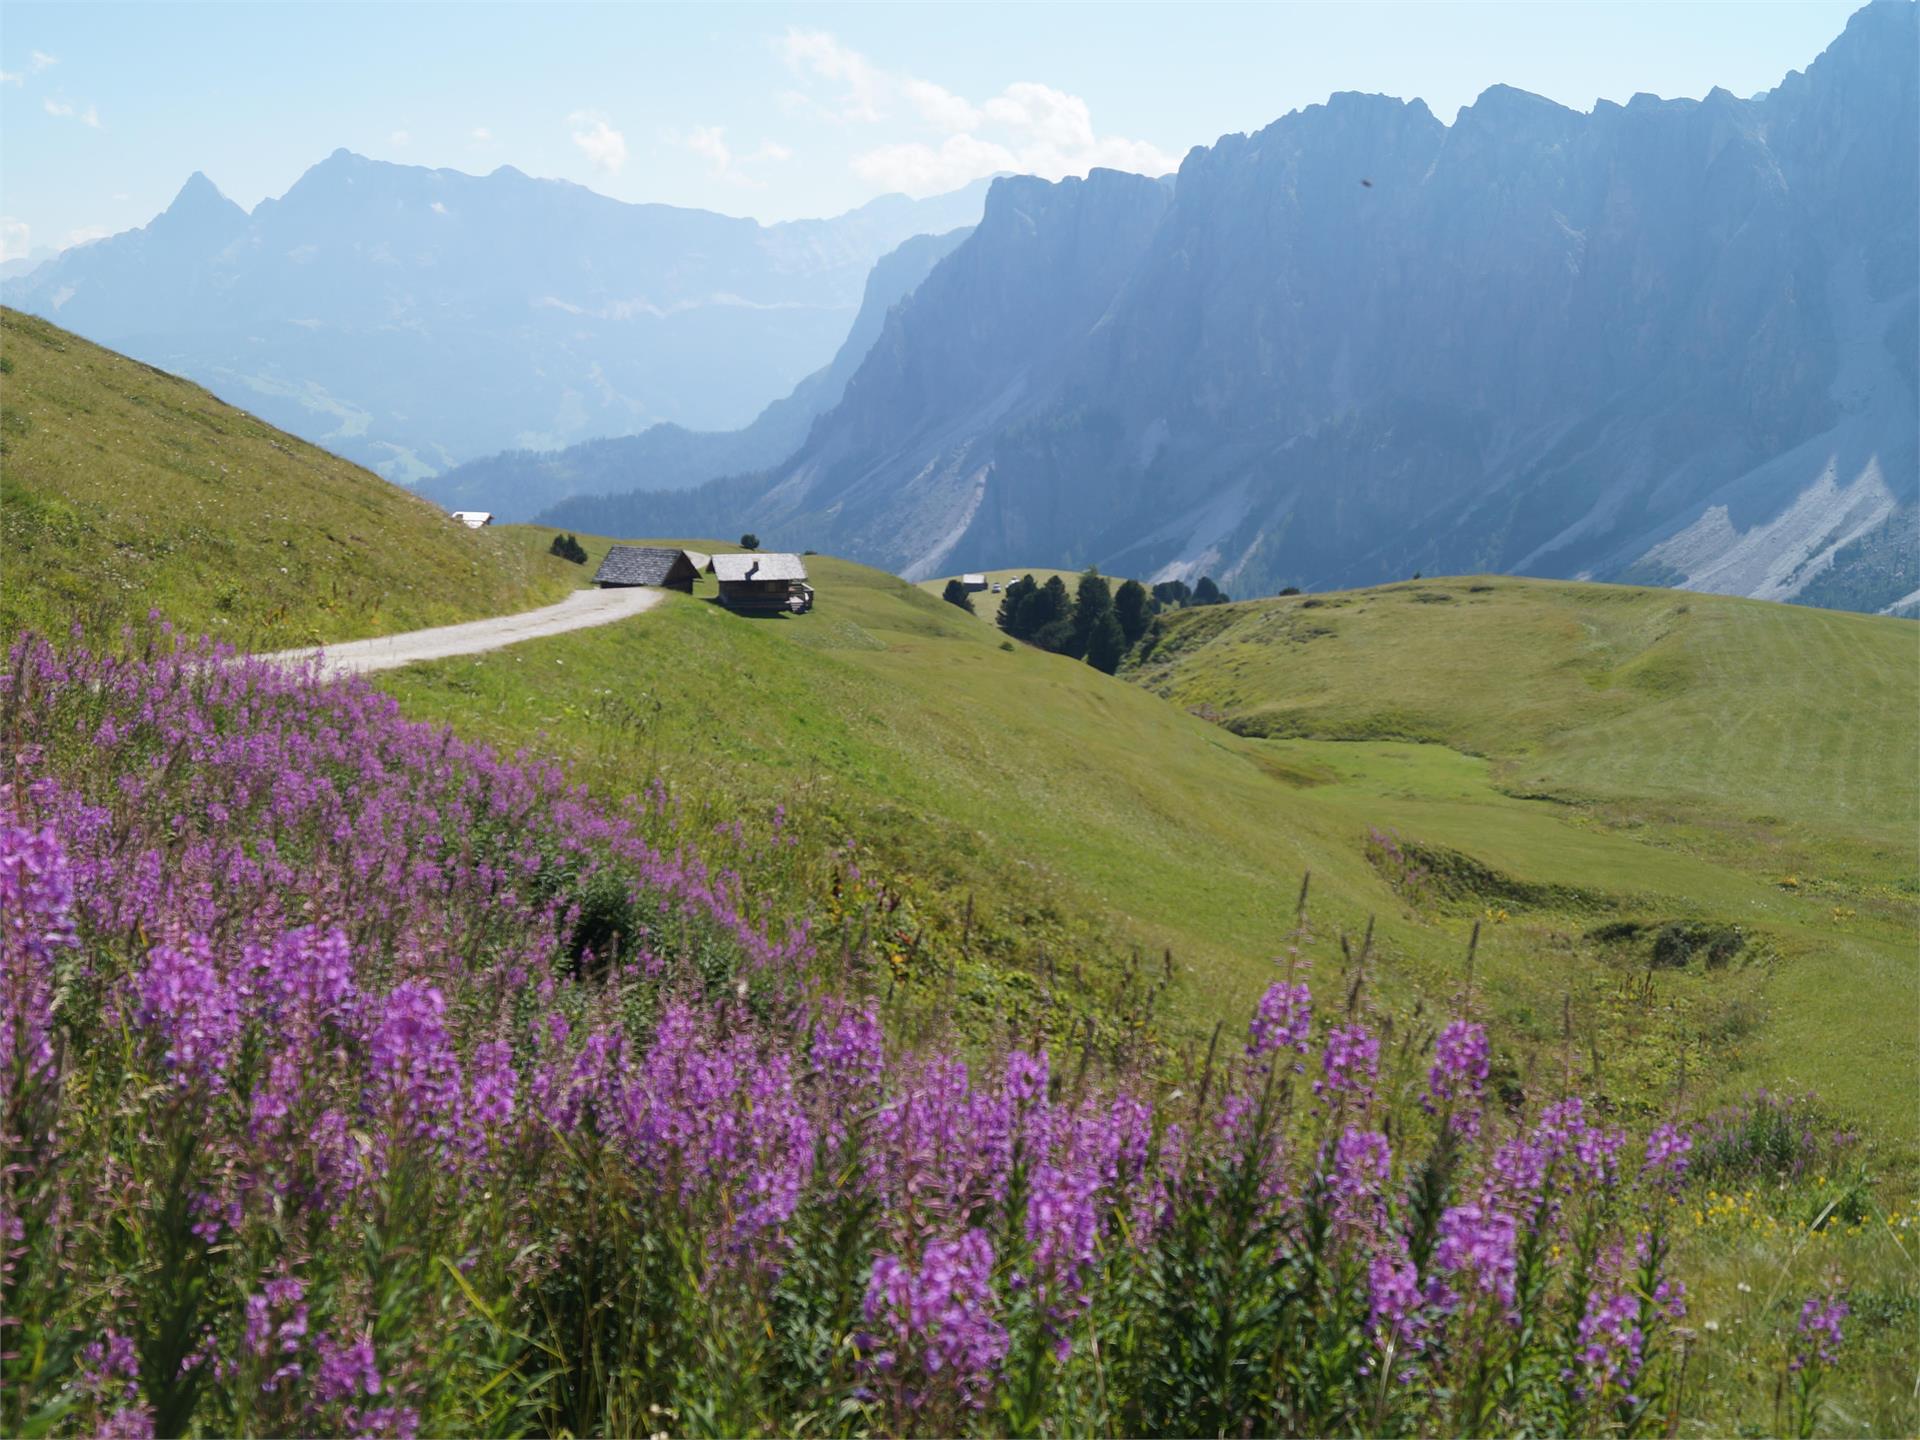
x=1095 y=622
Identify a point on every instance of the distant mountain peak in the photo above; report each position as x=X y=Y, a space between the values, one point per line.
x=199 y=207
x=199 y=193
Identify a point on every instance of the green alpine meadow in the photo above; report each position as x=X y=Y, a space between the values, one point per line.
x=1143 y=785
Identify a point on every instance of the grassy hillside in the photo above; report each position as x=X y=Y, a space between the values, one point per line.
x=1679 y=755
x=123 y=488
x=1034 y=783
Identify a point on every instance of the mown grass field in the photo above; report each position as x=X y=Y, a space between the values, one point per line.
x=123 y=488
x=1711 y=757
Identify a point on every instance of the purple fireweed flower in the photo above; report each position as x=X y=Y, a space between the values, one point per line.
x=304 y=979
x=1349 y=1065
x=110 y=1374
x=1518 y=1175
x=1362 y=1170
x=1283 y=1020
x=36 y=924
x=492 y=1082
x=1476 y=1242
x=345 y=1370
x=1670 y=1299
x=184 y=1000
x=389 y=1422
x=412 y=1061
x=129 y=1422
x=1459 y=1073
x=106 y=1364
x=1818 y=1335
x=276 y=1325
x=1667 y=1154
x=1611 y=1343
x=1394 y=1300
x=938 y=1317
x=849 y=1053
x=1025 y=1078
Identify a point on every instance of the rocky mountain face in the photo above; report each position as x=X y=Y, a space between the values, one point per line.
x=520 y=483
x=411 y=318
x=1670 y=341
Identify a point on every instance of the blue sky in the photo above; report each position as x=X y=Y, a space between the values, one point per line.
x=773 y=111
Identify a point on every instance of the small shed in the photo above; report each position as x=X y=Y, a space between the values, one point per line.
x=474 y=519
x=974 y=581
x=765 y=583
x=628 y=565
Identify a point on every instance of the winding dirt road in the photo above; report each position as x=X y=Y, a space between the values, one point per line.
x=579 y=611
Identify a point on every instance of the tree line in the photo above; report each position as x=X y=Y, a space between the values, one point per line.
x=1095 y=621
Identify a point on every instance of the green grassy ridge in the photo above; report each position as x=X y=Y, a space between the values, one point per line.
x=1694 y=756
x=1600 y=691
x=123 y=488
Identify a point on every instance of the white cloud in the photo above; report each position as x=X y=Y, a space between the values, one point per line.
x=399 y=139
x=438 y=208
x=603 y=145
x=940 y=107
x=709 y=142
x=12 y=77
x=16 y=238
x=481 y=135
x=1028 y=127
x=864 y=90
x=83 y=234
x=62 y=110
x=39 y=60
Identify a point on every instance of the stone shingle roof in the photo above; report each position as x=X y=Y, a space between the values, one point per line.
x=636 y=565
x=759 y=567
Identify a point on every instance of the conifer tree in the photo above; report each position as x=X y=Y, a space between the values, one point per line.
x=1011 y=600
x=1107 y=643
x=958 y=594
x=1132 y=606
x=1093 y=600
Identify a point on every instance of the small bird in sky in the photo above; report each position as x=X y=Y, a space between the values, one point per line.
x=1367 y=183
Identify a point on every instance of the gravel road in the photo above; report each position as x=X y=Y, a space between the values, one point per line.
x=579 y=611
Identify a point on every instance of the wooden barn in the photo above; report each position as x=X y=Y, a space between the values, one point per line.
x=763 y=583
x=628 y=565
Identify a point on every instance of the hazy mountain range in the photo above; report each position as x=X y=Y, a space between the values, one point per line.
x=520 y=483
x=411 y=318
x=1671 y=341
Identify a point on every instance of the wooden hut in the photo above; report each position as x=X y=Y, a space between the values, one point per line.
x=762 y=583
x=628 y=565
